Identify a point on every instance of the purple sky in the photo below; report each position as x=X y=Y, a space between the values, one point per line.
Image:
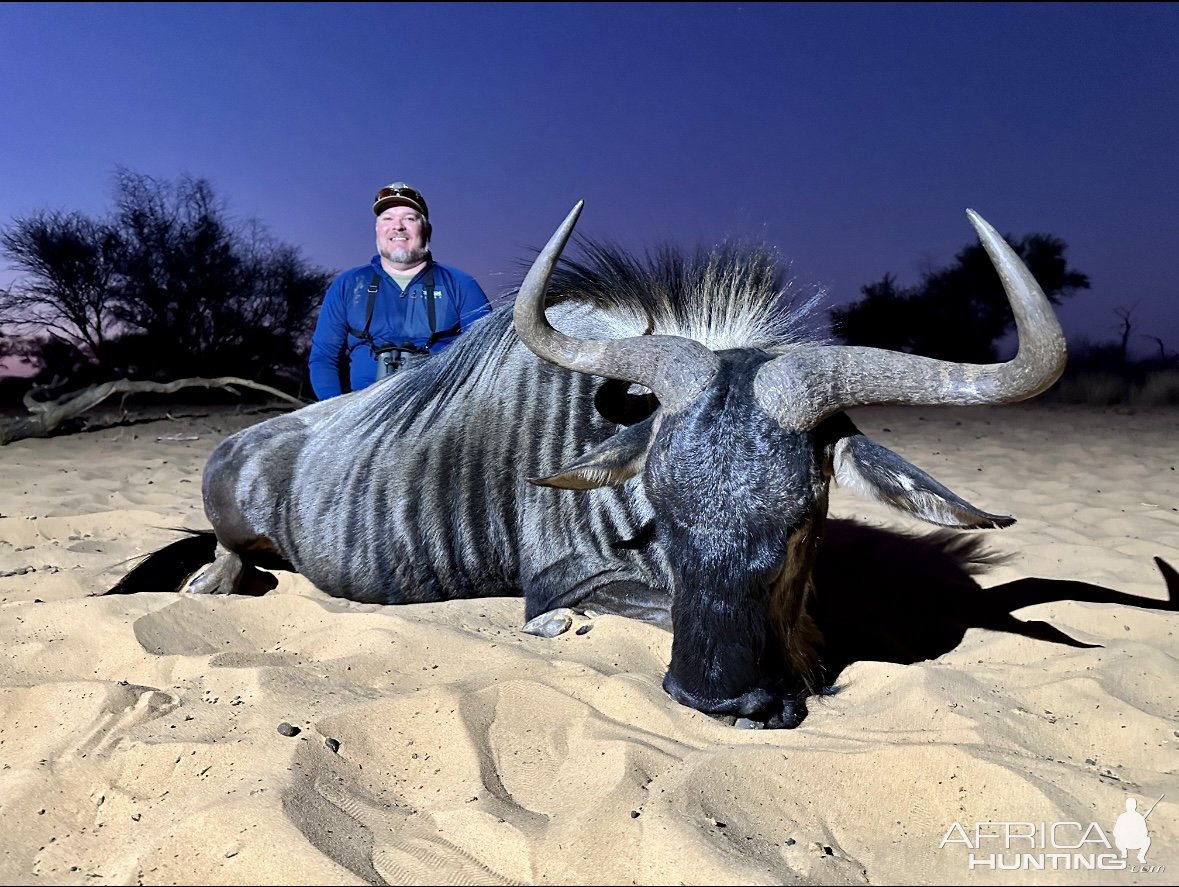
x=850 y=136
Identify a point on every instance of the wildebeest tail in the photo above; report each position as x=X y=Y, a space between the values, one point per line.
x=168 y=567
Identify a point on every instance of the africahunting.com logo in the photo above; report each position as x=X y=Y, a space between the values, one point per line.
x=1058 y=846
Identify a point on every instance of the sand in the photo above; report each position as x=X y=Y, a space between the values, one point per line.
x=436 y=744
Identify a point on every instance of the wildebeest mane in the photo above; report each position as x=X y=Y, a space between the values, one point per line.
x=731 y=295
x=429 y=387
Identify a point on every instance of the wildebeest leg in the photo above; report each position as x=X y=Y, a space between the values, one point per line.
x=634 y=600
x=229 y=574
x=618 y=597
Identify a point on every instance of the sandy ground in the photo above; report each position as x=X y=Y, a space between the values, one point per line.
x=987 y=728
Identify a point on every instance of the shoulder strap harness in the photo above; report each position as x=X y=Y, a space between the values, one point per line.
x=430 y=295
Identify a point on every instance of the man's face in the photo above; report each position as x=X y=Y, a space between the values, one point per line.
x=401 y=236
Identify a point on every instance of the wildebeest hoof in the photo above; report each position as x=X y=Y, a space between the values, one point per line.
x=222 y=577
x=550 y=624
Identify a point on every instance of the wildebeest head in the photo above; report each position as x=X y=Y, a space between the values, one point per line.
x=737 y=459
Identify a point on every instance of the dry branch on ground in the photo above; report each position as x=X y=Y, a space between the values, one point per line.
x=47 y=415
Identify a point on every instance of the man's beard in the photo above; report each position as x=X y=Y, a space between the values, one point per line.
x=405 y=256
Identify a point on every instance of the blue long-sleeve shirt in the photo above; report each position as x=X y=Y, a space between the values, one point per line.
x=400 y=317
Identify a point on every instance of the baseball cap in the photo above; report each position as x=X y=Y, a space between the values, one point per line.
x=400 y=194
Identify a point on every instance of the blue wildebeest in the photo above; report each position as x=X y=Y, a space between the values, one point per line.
x=691 y=435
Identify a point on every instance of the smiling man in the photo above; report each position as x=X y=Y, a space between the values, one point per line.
x=402 y=306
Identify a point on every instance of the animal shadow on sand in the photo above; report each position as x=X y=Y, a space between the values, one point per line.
x=889 y=596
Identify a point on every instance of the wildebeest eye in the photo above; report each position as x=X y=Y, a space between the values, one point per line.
x=615 y=403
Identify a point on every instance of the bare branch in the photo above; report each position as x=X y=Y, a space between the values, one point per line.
x=48 y=415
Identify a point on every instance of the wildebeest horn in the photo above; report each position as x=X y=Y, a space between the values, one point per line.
x=674 y=368
x=810 y=383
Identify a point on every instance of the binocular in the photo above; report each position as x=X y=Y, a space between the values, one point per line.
x=391 y=360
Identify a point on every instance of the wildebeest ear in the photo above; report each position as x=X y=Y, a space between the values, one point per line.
x=612 y=462
x=878 y=473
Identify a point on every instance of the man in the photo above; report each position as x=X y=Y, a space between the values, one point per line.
x=402 y=305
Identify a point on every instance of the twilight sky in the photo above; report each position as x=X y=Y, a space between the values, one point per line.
x=850 y=136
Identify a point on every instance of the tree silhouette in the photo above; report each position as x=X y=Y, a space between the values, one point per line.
x=168 y=286
x=73 y=261
x=956 y=313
